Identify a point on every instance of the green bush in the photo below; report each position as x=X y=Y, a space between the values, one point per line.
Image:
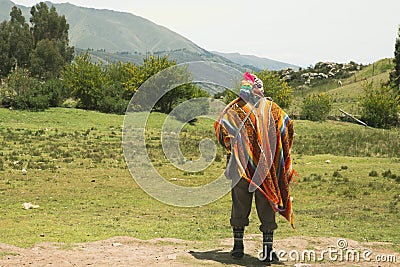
x=380 y=106
x=113 y=100
x=20 y=91
x=192 y=109
x=316 y=107
x=56 y=90
x=111 y=104
x=337 y=174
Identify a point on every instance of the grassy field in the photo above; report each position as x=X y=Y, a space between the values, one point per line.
x=76 y=172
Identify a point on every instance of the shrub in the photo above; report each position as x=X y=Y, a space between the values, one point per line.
x=373 y=174
x=56 y=91
x=113 y=100
x=111 y=104
x=380 y=106
x=316 y=107
x=389 y=174
x=20 y=91
x=337 y=174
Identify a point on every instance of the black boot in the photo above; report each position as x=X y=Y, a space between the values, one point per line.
x=269 y=256
x=238 y=247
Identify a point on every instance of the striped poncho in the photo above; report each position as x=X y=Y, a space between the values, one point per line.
x=260 y=138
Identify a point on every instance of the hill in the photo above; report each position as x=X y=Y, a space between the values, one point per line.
x=114 y=36
x=256 y=63
x=345 y=96
x=179 y=55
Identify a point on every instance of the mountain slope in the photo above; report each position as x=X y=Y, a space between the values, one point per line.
x=256 y=62
x=112 y=30
x=5 y=8
x=117 y=31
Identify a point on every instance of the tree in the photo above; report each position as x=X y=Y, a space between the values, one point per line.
x=395 y=74
x=47 y=24
x=43 y=48
x=316 y=107
x=110 y=88
x=21 y=42
x=51 y=44
x=86 y=80
x=45 y=60
x=139 y=74
x=15 y=42
x=276 y=88
x=5 y=60
x=114 y=89
x=176 y=78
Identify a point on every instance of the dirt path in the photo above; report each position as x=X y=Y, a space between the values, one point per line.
x=126 y=251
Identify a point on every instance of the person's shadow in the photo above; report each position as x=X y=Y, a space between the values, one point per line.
x=225 y=258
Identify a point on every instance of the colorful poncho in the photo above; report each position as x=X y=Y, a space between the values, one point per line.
x=260 y=136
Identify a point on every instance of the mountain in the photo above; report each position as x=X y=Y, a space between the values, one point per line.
x=113 y=36
x=113 y=31
x=118 y=31
x=5 y=9
x=256 y=63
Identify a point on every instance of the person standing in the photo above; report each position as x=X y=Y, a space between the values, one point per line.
x=257 y=135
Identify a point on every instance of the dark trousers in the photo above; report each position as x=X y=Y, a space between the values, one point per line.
x=241 y=206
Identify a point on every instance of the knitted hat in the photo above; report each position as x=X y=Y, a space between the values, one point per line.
x=251 y=85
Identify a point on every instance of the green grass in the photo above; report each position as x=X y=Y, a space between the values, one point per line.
x=347 y=97
x=59 y=118
x=345 y=139
x=341 y=199
x=77 y=174
x=382 y=66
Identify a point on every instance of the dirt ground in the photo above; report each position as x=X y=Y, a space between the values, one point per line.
x=127 y=251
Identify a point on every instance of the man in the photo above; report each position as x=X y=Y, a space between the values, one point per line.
x=258 y=136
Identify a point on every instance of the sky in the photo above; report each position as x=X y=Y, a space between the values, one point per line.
x=300 y=32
